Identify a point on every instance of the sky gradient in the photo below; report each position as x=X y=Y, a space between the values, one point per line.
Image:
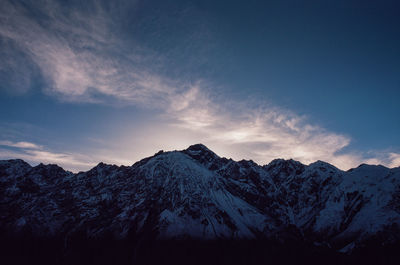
x=116 y=81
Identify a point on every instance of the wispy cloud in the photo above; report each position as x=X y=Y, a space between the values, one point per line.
x=26 y=145
x=262 y=133
x=82 y=59
x=36 y=154
x=394 y=159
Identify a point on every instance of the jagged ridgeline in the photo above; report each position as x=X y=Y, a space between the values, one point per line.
x=194 y=207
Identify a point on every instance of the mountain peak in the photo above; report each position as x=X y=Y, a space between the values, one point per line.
x=193 y=193
x=322 y=164
x=279 y=162
x=14 y=165
x=200 y=150
x=284 y=168
x=198 y=147
x=203 y=155
x=14 y=162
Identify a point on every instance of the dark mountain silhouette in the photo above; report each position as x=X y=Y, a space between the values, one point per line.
x=194 y=207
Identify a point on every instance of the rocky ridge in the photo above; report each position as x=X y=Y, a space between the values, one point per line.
x=194 y=193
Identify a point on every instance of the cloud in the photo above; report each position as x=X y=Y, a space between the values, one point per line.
x=263 y=134
x=17 y=75
x=386 y=158
x=26 y=145
x=80 y=57
x=36 y=154
x=83 y=59
x=394 y=159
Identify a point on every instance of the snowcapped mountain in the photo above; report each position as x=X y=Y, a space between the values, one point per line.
x=196 y=194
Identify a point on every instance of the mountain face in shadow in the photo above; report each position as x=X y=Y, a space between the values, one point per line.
x=195 y=207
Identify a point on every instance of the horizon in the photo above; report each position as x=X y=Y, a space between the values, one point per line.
x=181 y=150
x=116 y=82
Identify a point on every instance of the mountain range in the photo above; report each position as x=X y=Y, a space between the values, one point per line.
x=195 y=195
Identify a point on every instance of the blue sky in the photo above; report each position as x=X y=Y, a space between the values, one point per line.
x=97 y=81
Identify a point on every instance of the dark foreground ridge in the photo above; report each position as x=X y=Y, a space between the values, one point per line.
x=194 y=207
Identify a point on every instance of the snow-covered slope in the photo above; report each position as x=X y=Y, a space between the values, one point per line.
x=194 y=193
